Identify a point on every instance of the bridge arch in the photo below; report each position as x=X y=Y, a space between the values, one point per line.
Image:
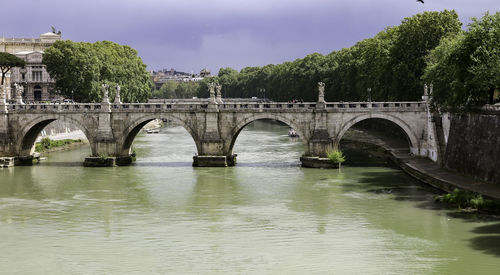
x=30 y=131
x=412 y=137
x=303 y=135
x=137 y=124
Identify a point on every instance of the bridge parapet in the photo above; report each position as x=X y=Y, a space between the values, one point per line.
x=407 y=106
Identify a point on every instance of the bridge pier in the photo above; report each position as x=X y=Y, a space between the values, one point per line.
x=214 y=161
x=212 y=153
x=318 y=147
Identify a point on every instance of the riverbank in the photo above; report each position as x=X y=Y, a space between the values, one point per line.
x=427 y=171
x=47 y=145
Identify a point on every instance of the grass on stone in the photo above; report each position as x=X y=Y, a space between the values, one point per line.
x=468 y=200
x=46 y=144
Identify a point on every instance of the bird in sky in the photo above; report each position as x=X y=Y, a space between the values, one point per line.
x=421 y=1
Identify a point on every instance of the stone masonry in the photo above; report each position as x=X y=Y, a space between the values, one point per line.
x=213 y=124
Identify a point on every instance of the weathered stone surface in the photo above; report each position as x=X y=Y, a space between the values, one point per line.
x=214 y=128
x=317 y=162
x=214 y=161
x=474 y=146
x=99 y=162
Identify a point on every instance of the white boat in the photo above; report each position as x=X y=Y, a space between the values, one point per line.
x=153 y=131
x=292 y=133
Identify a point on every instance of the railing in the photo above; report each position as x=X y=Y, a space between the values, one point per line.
x=491 y=108
x=224 y=107
x=169 y=106
x=33 y=107
x=329 y=106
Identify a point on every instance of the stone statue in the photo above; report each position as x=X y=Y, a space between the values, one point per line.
x=105 y=89
x=321 y=92
x=2 y=93
x=218 y=87
x=117 y=96
x=19 y=93
x=3 y=103
x=426 y=90
x=211 y=88
x=431 y=88
x=105 y=97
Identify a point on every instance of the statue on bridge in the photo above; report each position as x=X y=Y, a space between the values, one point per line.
x=218 y=87
x=427 y=92
x=321 y=92
x=3 y=91
x=117 y=96
x=19 y=93
x=211 y=88
x=105 y=98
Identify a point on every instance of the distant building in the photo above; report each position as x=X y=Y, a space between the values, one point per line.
x=37 y=83
x=204 y=73
x=163 y=76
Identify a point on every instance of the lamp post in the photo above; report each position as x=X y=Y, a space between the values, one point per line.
x=263 y=92
x=369 y=90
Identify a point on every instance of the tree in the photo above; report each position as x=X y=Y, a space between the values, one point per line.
x=186 y=89
x=167 y=90
x=482 y=40
x=228 y=78
x=465 y=68
x=415 y=38
x=82 y=68
x=7 y=62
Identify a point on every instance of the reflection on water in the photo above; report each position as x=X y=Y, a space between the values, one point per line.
x=266 y=215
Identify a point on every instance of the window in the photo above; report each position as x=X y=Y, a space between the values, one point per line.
x=36 y=76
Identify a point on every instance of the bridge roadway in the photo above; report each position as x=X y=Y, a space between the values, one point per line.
x=112 y=127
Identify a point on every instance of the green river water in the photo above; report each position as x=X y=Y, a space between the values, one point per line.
x=267 y=215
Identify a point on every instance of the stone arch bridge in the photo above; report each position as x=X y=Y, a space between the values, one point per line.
x=214 y=126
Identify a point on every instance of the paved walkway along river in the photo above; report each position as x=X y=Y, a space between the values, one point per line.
x=426 y=170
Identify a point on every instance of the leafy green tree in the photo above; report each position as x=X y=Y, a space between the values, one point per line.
x=415 y=38
x=482 y=40
x=7 y=62
x=228 y=78
x=167 y=90
x=186 y=89
x=391 y=64
x=465 y=68
x=82 y=68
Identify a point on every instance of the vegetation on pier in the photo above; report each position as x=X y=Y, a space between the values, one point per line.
x=336 y=156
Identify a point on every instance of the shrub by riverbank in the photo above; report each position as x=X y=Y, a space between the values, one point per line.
x=468 y=200
x=48 y=145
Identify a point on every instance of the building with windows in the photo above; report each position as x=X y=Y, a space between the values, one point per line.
x=38 y=86
x=163 y=76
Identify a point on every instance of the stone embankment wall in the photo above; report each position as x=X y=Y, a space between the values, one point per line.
x=473 y=146
x=61 y=130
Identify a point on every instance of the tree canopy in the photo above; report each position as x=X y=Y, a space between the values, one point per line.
x=173 y=89
x=7 y=62
x=391 y=64
x=465 y=68
x=80 y=68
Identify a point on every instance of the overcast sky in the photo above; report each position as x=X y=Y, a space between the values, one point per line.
x=189 y=35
